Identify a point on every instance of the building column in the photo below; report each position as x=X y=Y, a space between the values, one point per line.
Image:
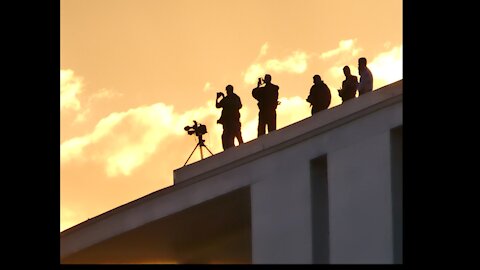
x=281 y=216
x=360 y=199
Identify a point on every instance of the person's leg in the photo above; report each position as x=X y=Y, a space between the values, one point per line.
x=224 y=140
x=231 y=136
x=272 y=121
x=238 y=133
x=227 y=138
x=261 y=123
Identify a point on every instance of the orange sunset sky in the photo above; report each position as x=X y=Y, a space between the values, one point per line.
x=135 y=72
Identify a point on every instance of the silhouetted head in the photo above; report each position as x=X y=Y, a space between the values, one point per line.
x=346 y=71
x=317 y=79
x=268 y=78
x=362 y=62
x=229 y=89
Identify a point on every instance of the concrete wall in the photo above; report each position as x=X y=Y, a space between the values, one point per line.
x=359 y=195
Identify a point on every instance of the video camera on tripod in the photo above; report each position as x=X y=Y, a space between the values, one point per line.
x=199 y=130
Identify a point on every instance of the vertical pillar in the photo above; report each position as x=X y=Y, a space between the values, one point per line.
x=360 y=201
x=281 y=215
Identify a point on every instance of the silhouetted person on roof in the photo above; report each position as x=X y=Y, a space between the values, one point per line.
x=319 y=97
x=267 y=97
x=366 y=78
x=230 y=118
x=349 y=85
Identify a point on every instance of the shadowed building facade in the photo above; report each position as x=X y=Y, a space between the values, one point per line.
x=327 y=189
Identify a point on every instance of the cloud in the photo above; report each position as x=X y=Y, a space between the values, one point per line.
x=82 y=116
x=291 y=110
x=73 y=148
x=387 y=67
x=296 y=62
x=68 y=218
x=103 y=94
x=264 y=49
x=346 y=52
x=123 y=141
x=207 y=87
x=253 y=73
x=70 y=88
x=344 y=47
x=337 y=72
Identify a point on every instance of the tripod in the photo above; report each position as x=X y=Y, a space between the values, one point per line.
x=201 y=143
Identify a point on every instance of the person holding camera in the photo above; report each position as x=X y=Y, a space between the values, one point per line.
x=230 y=118
x=267 y=97
x=349 y=85
x=319 y=97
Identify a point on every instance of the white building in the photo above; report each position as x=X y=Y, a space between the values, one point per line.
x=327 y=189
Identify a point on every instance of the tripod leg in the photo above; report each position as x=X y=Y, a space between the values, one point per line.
x=201 y=152
x=208 y=149
x=192 y=154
